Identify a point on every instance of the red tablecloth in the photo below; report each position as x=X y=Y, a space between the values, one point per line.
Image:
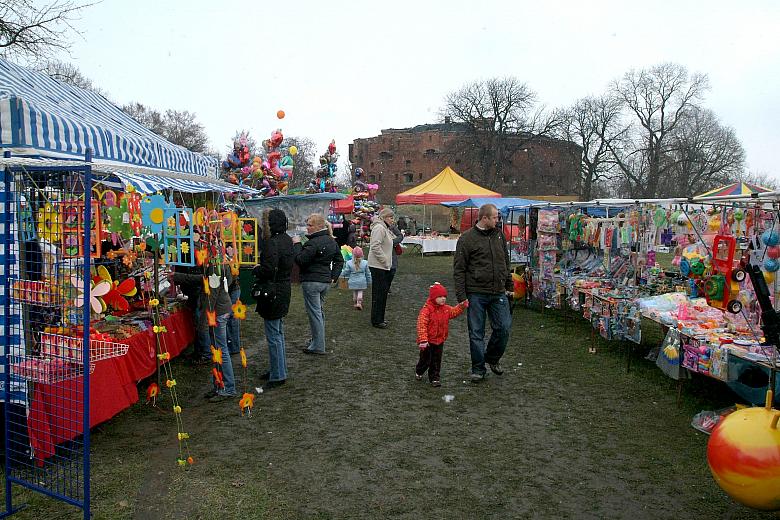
x=56 y=411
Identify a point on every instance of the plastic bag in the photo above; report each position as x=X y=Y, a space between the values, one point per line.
x=706 y=420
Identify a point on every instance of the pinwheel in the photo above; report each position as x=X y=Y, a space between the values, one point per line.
x=98 y=289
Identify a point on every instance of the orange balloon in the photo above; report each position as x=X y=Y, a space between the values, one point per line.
x=280 y=114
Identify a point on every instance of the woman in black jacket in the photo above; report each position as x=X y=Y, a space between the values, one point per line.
x=321 y=262
x=273 y=275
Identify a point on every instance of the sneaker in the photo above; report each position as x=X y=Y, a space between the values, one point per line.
x=265 y=376
x=270 y=385
x=436 y=383
x=359 y=306
x=476 y=378
x=418 y=376
x=315 y=352
x=382 y=325
x=496 y=368
x=218 y=398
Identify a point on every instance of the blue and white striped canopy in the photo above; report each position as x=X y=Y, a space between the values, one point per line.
x=146 y=183
x=40 y=116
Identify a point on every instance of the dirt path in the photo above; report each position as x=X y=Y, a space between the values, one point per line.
x=563 y=434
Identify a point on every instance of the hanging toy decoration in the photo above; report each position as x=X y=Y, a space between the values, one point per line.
x=326 y=172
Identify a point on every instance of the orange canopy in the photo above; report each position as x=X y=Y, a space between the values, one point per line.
x=446 y=186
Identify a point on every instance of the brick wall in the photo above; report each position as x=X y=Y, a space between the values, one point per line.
x=399 y=159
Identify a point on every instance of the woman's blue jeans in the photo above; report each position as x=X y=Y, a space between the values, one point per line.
x=277 y=359
x=314 y=300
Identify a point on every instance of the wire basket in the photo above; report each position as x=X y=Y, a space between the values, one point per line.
x=48 y=370
x=69 y=348
x=36 y=292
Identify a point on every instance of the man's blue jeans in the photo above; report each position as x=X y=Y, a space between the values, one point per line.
x=233 y=326
x=496 y=307
x=314 y=300
x=277 y=360
x=220 y=336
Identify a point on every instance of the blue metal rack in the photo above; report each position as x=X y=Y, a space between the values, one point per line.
x=46 y=447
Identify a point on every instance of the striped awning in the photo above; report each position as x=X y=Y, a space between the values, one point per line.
x=146 y=183
x=737 y=188
x=145 y=180
x=42 y=117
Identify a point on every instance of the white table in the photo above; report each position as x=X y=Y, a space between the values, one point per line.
x=430 y=244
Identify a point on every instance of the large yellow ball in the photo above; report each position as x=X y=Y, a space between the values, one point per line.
x=744 y=456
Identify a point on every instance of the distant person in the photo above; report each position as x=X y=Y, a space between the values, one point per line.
x=352 y=235
x=341 y=233
x=320 y=262
x=358 y=277
x=273 y=272
x=433 y=325
x=380 y=261
x=483 y=277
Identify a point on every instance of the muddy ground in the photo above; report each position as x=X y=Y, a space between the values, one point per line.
x=562 y=434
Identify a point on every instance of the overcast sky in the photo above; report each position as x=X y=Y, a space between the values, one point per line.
x=346 y=70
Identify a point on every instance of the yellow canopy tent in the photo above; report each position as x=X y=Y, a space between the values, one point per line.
x=444 y=187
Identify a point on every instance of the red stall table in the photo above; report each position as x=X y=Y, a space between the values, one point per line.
x=56 y=409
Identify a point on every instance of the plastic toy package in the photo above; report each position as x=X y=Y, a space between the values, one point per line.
x=548 y=221
x=706 y=420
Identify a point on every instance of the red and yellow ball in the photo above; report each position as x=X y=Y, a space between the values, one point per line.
x=744 y=457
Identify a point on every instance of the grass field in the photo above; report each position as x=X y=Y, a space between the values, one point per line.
x=562 y=434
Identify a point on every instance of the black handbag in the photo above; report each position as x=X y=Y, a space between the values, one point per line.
x=265 y=292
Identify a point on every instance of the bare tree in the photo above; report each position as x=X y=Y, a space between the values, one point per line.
x=304 y=168
x=181 y=128
x=657 y=98
x=148 y=117
x=593 y=123
x=177 y=126
x=31 y=32
x=67 y=73
x=762 y=179
x=500 y=116
x=702 y=154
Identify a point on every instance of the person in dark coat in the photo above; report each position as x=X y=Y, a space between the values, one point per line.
x=276 y=262
x=483 y=276
x=321 y=263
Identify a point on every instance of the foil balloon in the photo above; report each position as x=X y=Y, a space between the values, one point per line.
x=280 y=114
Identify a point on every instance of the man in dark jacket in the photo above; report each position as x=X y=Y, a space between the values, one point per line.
x=483 y=277
x=273 y=274
x=321 y=262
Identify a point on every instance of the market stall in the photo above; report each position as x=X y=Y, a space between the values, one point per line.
x=607 y=267
x=444 y=187
x=99 y=209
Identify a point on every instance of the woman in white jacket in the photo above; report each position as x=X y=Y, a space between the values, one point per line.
x=380 y=261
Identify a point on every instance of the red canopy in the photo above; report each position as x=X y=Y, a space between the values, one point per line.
x=344 y=206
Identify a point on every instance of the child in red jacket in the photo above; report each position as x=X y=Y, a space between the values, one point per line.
x=433 y=324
